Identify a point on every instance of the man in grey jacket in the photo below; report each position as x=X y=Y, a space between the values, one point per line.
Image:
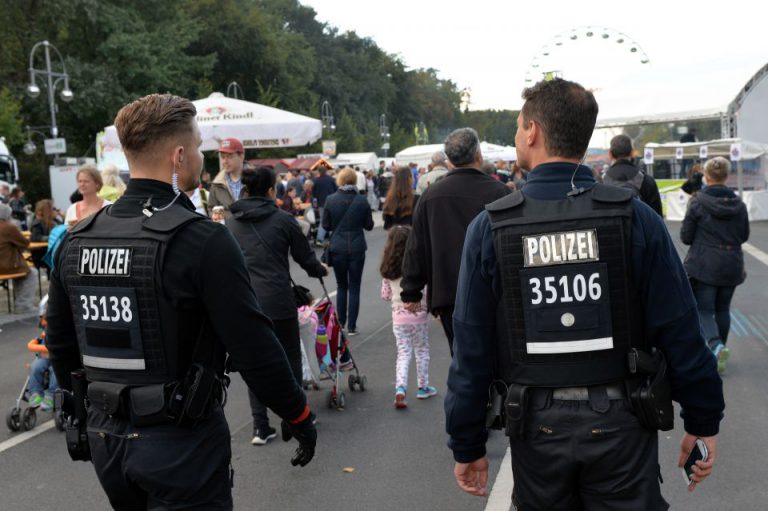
x=437 y=170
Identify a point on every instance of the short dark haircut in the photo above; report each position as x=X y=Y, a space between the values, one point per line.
x=258 y=181
x=150 y=120
x=621 y=146
x=566 y=113
x=461 y=146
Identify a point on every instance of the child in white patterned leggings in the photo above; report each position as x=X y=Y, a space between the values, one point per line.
x=411 y=329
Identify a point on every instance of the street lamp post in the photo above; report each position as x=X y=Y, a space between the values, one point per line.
x=29 y=146
x=33 y=90
x=326 y=115
x=384 y=132
x=237 y=91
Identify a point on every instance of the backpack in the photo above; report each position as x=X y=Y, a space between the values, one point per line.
x=633 y=184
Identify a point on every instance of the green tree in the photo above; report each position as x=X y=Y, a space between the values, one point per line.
x=10 y=120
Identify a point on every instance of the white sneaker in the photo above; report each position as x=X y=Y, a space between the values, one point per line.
x=262 y=436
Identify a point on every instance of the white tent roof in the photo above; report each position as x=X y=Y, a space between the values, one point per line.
x=722 y=147
x=257 y=126
x=494 y=152
x=422 y=154
x=3 y=148
x=365 y=160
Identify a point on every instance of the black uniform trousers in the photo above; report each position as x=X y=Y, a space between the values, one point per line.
x=573 y=458
x=446 y=319
x=287 y=332
x=164 y=467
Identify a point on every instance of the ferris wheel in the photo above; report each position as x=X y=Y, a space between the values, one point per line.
x=545 y=65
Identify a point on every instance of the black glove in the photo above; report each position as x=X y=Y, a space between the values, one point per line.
x=306 y=434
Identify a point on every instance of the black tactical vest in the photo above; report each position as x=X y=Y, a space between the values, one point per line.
x=568 y=314
x=112 y=272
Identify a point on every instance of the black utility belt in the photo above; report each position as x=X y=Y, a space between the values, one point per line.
x=183 y=403
x=613 y=391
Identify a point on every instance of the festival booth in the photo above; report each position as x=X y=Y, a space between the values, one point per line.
x=494 y=152
x=310 y=164
x=279 y=166
x=749 y=172
x=421 y=155
x=366 y=161
x=256 y=126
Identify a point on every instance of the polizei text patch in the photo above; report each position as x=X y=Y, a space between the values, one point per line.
x=105 y=262
x=560 y=248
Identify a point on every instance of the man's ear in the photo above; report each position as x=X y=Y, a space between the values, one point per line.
x=533 y=134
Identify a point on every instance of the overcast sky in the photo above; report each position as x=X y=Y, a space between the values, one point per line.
x=700 y=55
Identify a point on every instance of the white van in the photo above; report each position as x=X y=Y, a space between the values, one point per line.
x=9 y=171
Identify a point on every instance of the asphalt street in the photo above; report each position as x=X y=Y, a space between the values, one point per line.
x=371 y=456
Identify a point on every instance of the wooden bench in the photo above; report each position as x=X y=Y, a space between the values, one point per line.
x=5 y=279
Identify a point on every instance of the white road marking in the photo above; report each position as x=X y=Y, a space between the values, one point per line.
x=500 y=498
x=382 y=327
x=23 y=437
x=756 y=253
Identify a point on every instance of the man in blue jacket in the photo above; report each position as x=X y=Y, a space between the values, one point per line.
x=558 y=284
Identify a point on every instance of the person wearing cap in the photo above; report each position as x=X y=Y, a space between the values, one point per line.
x=226 y=186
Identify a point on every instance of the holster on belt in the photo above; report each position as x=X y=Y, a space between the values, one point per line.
x=515 y=406
x=192 y=399
x=650 y=393
x=74 y=407
x=494 y=414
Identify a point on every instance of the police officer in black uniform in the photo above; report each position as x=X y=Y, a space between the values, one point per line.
x=574 y=314
x=146 y=299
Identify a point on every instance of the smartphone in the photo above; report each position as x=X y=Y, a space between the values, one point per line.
x=699 y=452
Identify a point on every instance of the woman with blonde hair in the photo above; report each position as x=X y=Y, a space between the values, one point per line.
x=89 y=183
x=113 y=187
x=715 y=226
x=346 y=215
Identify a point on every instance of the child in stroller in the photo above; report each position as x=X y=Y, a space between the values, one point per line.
x=329 y=345
x=39 y=387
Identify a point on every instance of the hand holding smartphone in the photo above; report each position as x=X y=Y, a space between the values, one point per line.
x=698 y=453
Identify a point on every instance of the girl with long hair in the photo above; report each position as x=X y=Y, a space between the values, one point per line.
x=400 y=201
x=411 y=329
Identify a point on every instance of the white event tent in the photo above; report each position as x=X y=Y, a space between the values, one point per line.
x=257 y=126
x=422 y=154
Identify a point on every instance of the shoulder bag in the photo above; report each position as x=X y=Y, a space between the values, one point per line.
x=326 y=256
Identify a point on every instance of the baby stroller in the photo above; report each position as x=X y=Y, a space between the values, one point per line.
x=15 y=418
x=331 y=348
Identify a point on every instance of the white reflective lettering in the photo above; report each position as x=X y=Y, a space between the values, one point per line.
x=533 y=247
x=85 y=254
x=536 y=283
x=550 y=289
x=591 y=243
x=581 y=238
x=571 y=244
x=545 y=253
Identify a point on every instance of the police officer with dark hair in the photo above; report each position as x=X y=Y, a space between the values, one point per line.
x=139 y=325
x=573 y=311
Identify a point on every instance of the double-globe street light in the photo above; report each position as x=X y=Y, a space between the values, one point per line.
x=53 y=79
x=29 y=146
x=326 y=115
x=384 y=132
